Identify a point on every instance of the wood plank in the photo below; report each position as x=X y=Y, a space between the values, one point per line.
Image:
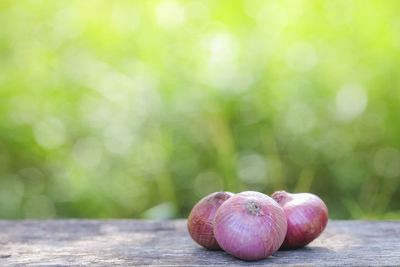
x=136 y=242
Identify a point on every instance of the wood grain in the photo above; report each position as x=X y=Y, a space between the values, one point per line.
x=136 y=242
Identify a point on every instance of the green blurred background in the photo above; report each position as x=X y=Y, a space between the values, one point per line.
x=137 y=109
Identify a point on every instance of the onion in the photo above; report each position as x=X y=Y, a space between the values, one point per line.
x=200 y=222
x=306 y=214
x=250 y=226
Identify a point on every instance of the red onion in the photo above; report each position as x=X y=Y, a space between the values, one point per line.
x=306 y=216
x=200 y=222
x=250 y=226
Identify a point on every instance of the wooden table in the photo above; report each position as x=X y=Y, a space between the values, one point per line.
x=137 y=242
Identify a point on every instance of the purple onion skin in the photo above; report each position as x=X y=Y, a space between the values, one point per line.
x=250 y=226
x=306 y=214
x=201 y=218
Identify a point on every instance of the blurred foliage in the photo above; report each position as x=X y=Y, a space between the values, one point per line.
x=138 y=109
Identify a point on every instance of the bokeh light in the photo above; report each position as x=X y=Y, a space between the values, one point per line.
x=137 y=109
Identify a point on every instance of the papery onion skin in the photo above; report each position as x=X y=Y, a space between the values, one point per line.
x=306 y=214
x=201 y=218
x=250 y=226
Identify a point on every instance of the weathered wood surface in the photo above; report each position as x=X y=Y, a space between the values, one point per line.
x=135 y=242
